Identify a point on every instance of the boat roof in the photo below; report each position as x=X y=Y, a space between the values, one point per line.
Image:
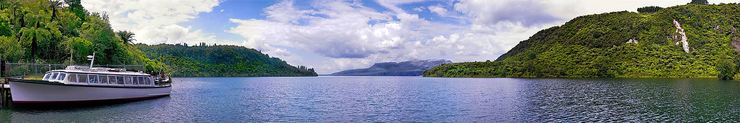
x=99 y=70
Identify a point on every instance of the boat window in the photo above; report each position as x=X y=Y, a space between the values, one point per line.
x=61 y=76
x=127 y=79
x=93 y=78
x=141 y=80
x=103 y=79
x=148 y=80
x=72 y=77
x=119 y=79
x=53 y=76
x=135 y=80
x=112 y=79
x=83 y=78
x=46 y=76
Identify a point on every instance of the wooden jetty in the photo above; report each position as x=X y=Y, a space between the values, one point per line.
x=5 y=99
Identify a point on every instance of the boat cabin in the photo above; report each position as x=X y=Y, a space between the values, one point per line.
x=80 y=75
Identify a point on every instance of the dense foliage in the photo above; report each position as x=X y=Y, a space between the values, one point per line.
x=55 y=31
x=726 y=69
x=702 y=2
x=648 y=9
x=220 y=60
x=597 y=46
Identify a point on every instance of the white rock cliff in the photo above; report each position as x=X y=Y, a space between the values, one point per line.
x=684 y=39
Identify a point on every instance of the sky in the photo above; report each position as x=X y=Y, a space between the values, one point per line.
x=335 y=35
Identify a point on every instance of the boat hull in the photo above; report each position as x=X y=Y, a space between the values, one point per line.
x=26 y=92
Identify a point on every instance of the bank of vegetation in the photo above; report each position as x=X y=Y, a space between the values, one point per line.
x=220 y=60
x=643 y=44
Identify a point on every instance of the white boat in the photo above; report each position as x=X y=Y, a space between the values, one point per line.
x=83 y=84
x=88 y=84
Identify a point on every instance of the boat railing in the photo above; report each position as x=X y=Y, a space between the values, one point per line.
x=23 y=70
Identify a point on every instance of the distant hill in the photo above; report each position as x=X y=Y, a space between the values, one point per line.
x=686 y=41
x=406 y=68
x=220 y=60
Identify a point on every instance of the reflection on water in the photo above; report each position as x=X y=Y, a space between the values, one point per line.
x=415 y=99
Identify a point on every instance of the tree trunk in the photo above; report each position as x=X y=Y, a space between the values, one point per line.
x=53 y=13
x=2 y=68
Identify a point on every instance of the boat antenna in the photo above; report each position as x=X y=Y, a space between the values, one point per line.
x=92 y=59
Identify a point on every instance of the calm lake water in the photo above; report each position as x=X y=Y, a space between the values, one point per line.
x=414 y=99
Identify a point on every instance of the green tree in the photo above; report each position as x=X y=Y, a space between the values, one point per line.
x=5 y=23
x=604 y=67
x=78 y=48
x=649 y=9
x=701 y=2
x=76 y=7
x=726 y=69
x=30 y=38
x=126 y=36
x=54 y=5
x=11 y=50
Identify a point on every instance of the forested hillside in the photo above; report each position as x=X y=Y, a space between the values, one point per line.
x=220 y=60
x=648 y=44
x=56 y=31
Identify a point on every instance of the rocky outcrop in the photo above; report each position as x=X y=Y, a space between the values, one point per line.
x=632 y=41
x=735 y=37
x=681 y=36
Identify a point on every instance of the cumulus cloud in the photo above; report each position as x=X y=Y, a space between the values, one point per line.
x=490 y=12
x=155 y=21
x=438 y=9
x=351 y=35
x=338 y=30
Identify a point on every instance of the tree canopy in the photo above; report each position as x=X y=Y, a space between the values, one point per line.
x=220 y=60
x=649 y=9
x=702 y=2
x=47 y=31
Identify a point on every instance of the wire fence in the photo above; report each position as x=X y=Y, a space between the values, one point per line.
x=23 y=69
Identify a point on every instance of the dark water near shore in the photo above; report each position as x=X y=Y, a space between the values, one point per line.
x=414 y=99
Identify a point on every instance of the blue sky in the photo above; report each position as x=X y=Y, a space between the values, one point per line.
x=334 y=35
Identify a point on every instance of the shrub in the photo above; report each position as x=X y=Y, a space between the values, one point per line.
x=726 y=70
x=702 y=2
x=649 y=9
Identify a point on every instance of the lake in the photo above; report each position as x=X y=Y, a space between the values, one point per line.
x=415 y=99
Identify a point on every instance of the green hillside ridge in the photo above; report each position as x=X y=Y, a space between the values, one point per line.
x=596 y=46
x=220 y=60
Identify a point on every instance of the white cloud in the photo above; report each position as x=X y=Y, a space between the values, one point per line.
x=438 y=9
x=393 y=4
x=350 y=35
x=155 y=21
x=490 y=12
x=419 y=9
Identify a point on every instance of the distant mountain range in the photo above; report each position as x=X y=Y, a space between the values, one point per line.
x=406 y=68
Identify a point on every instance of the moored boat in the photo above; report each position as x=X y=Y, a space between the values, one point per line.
x=82 y=84
x=88 y=84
